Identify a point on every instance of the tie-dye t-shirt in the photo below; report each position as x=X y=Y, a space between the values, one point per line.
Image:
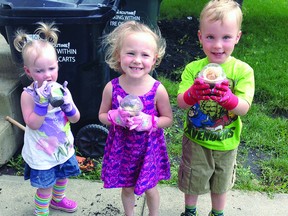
x=51 y=144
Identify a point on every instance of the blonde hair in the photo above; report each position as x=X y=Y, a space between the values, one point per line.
x=113 y=42
x=45 y=37
x=216 y=10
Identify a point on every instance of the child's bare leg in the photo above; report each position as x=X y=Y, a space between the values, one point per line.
x=218 y=201
x=153 y=201
x=190 y=205
x=191 y=200
x=128 y=200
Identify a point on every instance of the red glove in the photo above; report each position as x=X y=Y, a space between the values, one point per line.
x=222 y=94
x=198 y=91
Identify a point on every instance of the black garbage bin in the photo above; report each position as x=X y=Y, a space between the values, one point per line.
x=81 y=62
x=145 y=11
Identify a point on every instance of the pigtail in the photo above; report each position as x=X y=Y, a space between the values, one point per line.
x=47 y=32
x=21 y=39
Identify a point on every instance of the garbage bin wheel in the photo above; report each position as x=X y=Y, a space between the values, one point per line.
x=90 y=140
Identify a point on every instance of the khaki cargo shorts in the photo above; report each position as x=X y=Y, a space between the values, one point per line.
x=203 y=170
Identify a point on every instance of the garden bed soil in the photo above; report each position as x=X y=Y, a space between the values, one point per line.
x=182 y=45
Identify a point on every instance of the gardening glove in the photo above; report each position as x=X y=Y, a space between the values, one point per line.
x=143 y=122
x=68 y=106
x=118 y=117
x=198 y=91
x=222 y=94
x=41 y=98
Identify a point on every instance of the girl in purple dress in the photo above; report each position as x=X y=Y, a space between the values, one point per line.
x=135 y=157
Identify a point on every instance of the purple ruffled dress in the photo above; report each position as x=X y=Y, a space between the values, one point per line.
x=131 y=158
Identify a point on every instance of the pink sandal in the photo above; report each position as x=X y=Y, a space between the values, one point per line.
x=65 y=205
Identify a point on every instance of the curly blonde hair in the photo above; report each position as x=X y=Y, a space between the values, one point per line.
x=113 y=42
x=45 y=36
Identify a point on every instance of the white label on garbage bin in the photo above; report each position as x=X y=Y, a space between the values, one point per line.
x=122 y=16
x=31 y=37
x=65 y=53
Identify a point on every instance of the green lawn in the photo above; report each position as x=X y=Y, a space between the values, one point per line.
x=263 y=153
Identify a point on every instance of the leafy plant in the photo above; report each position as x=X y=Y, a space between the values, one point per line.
x=17 y=163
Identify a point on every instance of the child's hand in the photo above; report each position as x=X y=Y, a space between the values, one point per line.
x=67 y=107
x=143 y=122
x=222 y=94
x=41 y=98
x=198 y=91
x=119 y=117
x=41 y=95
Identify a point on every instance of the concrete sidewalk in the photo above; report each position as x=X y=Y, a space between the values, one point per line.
x=16 y=198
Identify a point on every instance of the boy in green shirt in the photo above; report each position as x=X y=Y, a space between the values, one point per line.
x=213 y=126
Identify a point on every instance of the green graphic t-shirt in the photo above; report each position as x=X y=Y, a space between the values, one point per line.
x=209 y=124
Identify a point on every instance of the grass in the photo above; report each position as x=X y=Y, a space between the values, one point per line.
x=171 y=9
x=263 y=153
x=264 y=46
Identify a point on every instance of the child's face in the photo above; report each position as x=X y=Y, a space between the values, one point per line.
x=219 y=38
x=138 y=54
x=43 y=67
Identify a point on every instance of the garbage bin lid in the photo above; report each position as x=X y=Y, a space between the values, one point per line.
x=65 y=10
x=51 y=8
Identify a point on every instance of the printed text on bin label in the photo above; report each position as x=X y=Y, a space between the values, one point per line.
x=122 y=16
x=65 y=53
